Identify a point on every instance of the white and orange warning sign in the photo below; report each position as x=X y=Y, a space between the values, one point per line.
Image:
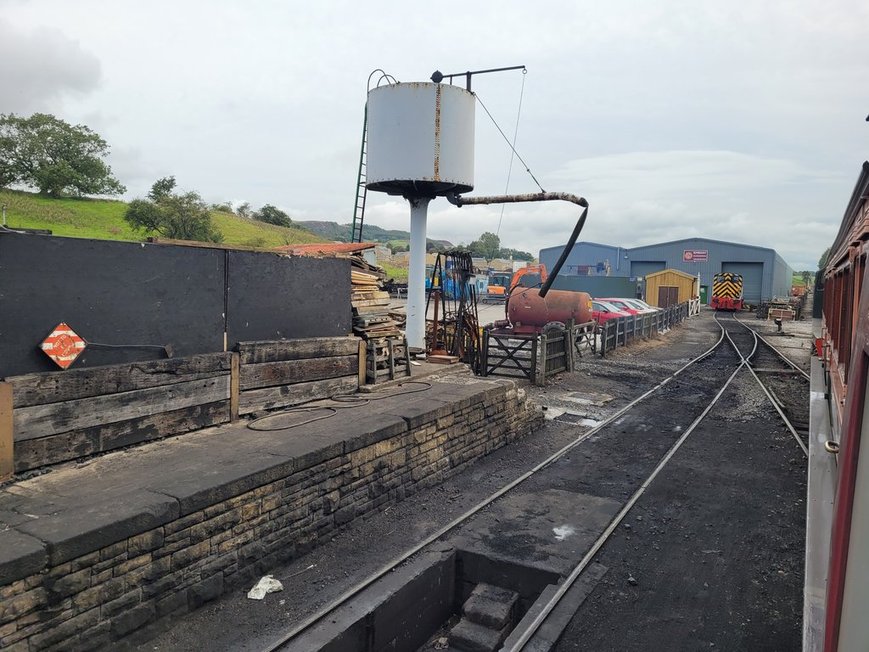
x=63 y=345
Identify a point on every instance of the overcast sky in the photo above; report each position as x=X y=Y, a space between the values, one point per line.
x=736 y=120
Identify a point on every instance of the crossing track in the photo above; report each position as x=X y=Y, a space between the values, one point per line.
x=713 y=370
x=784 y=384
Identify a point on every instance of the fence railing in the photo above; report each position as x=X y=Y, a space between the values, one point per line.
x=622 y=331
x=536 y=356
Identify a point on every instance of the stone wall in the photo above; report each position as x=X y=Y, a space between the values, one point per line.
x=136 y=584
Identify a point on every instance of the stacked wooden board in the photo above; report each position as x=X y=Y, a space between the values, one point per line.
x=371 y=314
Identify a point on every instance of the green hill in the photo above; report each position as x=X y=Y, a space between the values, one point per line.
x=103 y=219
x=370 y=233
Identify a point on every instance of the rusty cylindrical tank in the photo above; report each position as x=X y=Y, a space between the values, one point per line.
x=529 y=312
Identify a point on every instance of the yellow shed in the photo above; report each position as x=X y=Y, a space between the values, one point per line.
x=669 y=287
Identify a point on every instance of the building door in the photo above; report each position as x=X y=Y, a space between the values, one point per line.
x=668 y=295
x=704 y=294
x=752 y=279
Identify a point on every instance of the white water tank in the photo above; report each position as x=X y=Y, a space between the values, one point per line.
x=420 y=139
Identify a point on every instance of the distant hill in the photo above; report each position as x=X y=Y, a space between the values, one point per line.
x=370 y=233
x=103 y=219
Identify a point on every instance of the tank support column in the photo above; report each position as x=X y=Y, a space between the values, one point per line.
x=415 y=328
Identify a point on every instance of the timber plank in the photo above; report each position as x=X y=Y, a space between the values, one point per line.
x=33 y=453
x=297 y=349
x=269 y=374
x=45 y=420
x=7 y=448
x=56 y=386
x=274 y=397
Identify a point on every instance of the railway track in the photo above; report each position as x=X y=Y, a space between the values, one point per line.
x=708 y=377
x=784 y=383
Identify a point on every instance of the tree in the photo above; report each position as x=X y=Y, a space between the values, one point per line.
x=822 y=263
x=807 y=277
x=243 y=210
x=172 y=215
x=516 y=254
x=224 y=207
x=55 y=157
x=487 y=245
x=273 y=215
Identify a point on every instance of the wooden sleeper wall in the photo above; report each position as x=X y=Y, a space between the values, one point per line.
x=64 y=415
x=281 y=373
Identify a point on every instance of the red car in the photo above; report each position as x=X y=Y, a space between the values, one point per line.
x=602 y=311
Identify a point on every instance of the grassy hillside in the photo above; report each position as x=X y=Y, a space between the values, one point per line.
x=103 y=219
x=370 y=233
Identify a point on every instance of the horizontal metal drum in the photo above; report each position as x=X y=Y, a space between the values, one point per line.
x=529 y=312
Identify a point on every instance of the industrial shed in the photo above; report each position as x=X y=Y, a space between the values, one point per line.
x=766 y=274
x=589 y=259
x=669 y=287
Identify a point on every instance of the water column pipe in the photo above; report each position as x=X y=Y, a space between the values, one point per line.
x=459 y=201
x=415 y=326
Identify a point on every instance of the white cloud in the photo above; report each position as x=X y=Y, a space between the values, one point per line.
x=39 y=67
x=740 y=121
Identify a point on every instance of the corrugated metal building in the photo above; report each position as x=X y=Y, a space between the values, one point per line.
x=766 y=274
x=589 y=259
x=597 y=286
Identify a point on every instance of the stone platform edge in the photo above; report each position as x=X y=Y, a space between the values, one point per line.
x=65 y=584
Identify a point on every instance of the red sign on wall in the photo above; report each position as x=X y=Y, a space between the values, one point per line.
x=63 y=345
x=695 y=255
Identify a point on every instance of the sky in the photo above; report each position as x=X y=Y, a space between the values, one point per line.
x=739 y=120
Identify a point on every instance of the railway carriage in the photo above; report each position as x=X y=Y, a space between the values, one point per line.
x=837 y=523
x=727 y=291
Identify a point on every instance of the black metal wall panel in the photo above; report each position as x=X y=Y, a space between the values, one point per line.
x=108 y=292
x=271 y=296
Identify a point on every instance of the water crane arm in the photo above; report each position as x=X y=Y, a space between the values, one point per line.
x=530 y=197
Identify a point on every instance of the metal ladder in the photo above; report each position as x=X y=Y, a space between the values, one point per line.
x=361 y=188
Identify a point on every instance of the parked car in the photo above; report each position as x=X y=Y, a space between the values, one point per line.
x=628 y=305
x=622 y=305
x=602 y=311
x=640 y=305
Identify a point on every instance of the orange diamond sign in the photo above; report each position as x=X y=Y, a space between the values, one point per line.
x=63 y=345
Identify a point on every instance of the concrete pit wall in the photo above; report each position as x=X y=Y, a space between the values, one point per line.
x=66 y=595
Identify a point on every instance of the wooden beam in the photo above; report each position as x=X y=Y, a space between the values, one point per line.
x=57 y=386
x=297 y=349
x=54 y=418
x=274 y=397
x=363 y=350
x=7 y=462
x=289 y=372
x=234 y=375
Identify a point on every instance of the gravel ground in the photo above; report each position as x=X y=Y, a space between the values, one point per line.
x=698 y=569
x=574 y=402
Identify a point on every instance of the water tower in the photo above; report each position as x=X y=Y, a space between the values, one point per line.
x=420 y=146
